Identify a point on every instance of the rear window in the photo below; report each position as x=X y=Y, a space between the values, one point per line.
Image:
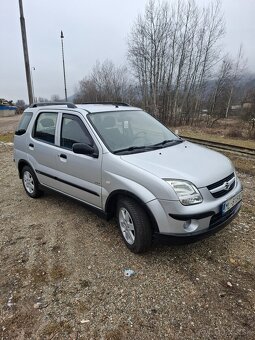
x=25 y=120
x=45 y=127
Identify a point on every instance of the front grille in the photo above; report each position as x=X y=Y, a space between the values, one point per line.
x=221 y=192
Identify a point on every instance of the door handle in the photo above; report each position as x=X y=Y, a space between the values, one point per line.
x=63 y=157
x=31 y=146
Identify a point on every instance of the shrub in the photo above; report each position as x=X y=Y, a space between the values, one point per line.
x=251 y=134
x=235 y=133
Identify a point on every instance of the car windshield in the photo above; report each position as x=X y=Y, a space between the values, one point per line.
x=131 y=131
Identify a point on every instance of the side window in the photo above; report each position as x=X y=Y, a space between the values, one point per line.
x=25 y=120
x=73 y=131
x=45 y=127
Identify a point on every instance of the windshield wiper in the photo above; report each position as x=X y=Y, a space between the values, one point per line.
x=166 y=141
x=132 y=148
x=163 y=144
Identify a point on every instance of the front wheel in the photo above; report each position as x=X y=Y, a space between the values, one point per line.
x=30 y=182
x=134 y=225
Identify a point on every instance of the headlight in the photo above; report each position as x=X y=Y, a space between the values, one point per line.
x=186 y=191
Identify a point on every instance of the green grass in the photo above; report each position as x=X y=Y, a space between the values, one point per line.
x=7 y=137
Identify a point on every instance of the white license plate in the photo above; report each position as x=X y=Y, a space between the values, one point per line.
x=226 y=206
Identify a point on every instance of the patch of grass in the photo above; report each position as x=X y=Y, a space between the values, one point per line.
x=7 y=137
x=246 y=143
x=245 y=165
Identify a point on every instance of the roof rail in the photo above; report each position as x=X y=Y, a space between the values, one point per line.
x=70 y=105
x=108 y=103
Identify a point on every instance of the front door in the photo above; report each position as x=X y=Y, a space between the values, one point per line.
x=80 y=175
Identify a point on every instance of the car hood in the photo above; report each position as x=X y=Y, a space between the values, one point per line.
x=186 y=161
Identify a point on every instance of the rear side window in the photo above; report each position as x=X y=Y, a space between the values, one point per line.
x=73 y=131
x=45 y=127
x=25 y=120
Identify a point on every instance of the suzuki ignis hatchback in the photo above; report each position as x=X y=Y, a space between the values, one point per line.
x=122 y=161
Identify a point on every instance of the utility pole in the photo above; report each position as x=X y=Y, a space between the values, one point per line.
x=32 y=82
x=25 y=50
x=63 y=59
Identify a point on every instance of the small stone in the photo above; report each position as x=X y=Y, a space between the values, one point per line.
x=229 y=284
x=222 y=294
x=37 y=305
x=40 y=305
x=84 y=321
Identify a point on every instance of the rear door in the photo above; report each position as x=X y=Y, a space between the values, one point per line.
x=80 y=175
x=42 y=149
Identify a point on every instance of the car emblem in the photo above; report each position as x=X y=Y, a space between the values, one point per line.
x=226 y=185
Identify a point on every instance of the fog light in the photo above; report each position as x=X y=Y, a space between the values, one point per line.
x=190 y=226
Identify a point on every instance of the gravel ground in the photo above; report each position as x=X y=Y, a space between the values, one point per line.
x=9 y=124
x=62 y=274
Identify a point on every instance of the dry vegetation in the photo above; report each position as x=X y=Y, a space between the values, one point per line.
x=230 y=131
x=7 y=137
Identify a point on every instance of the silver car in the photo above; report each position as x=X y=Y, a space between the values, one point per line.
x=123 y=162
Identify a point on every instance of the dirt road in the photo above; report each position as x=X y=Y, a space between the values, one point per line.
x=62 y=274
x=9 y=124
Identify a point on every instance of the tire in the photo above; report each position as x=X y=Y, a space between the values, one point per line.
x=30 y=182
x=134 y=225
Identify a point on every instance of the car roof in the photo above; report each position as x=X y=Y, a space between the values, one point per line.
x=96 y=108
x=88 y=107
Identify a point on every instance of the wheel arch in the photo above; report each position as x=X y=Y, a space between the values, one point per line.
x=21 y=164
x=111 y=203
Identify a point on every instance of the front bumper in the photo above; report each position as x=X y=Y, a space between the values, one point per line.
x=174 y=219
x=214 y=227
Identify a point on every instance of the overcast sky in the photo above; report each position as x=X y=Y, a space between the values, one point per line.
x=93 y=30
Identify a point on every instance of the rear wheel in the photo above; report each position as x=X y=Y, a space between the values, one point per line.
x=30 y=182
x=134 y=225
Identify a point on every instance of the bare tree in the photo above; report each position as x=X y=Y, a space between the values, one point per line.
x=221 y=90
x=148 y=43
x=20 y=103
x=238 y=69
x=42 y=100
x=172 y=51
x=55 y=98
x=106 y=82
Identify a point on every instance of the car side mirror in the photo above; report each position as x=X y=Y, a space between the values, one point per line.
x=84 y=149
x=20 y=132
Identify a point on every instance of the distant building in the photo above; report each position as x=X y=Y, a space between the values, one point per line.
x=236 y=107
x=6 y=108
x=248 y=105
x=249 y=101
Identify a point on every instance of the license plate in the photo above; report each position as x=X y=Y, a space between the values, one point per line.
x=230 y=203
